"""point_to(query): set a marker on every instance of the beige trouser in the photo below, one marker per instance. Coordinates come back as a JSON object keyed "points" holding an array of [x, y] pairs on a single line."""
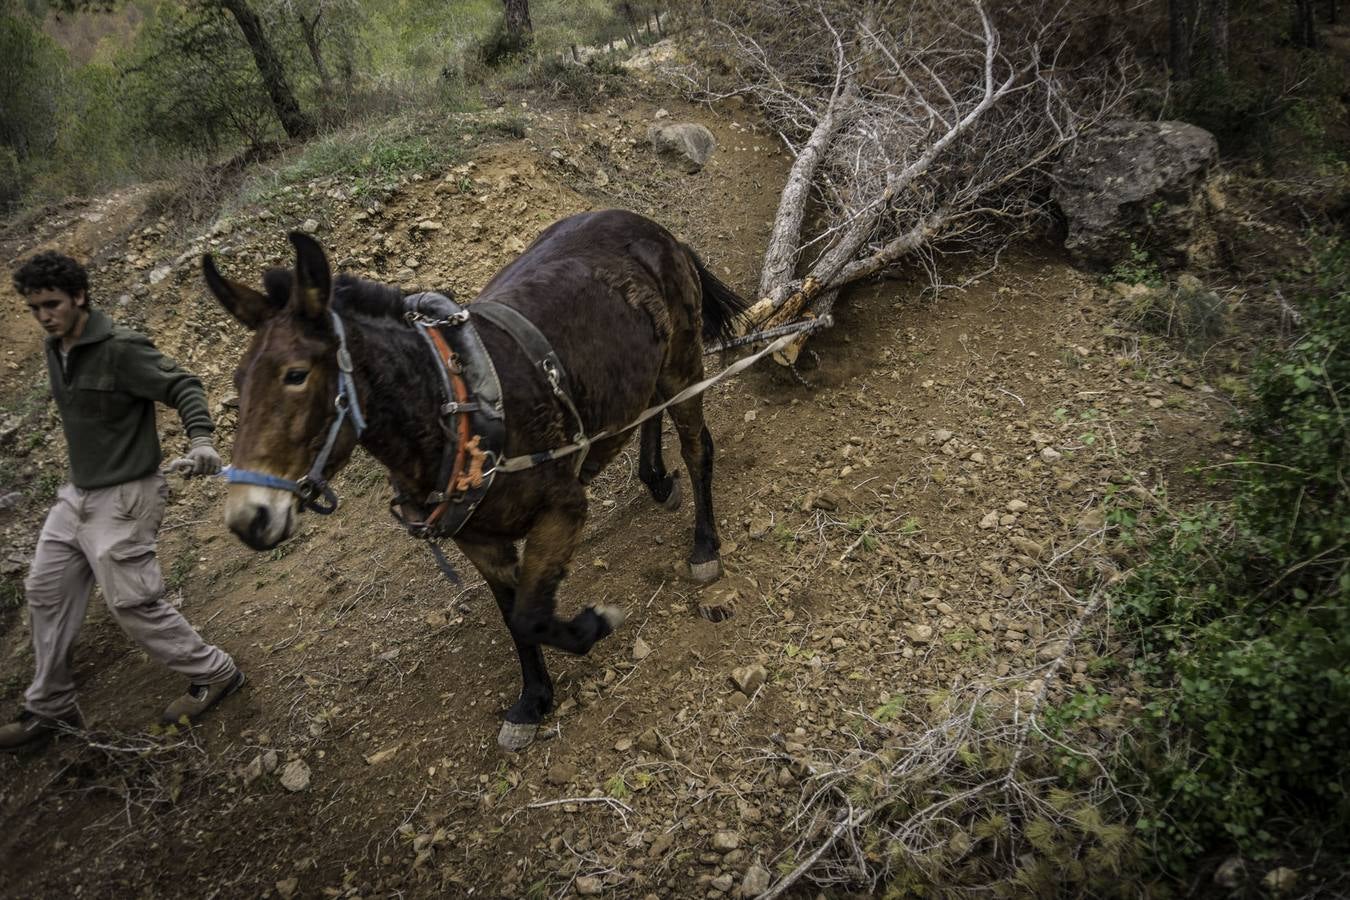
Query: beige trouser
{"points": [[108, 535]]}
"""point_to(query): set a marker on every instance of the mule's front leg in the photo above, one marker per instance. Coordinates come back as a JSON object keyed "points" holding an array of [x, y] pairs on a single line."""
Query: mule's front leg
{"points": [[548, 548], [498, 564]]}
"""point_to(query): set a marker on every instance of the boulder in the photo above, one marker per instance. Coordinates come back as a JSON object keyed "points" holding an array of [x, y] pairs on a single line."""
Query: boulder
{"points": [[1135, 183], [685, 144]]}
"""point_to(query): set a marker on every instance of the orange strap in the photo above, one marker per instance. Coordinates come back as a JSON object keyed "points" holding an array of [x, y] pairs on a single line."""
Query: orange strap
{"points": [[462, 448]]}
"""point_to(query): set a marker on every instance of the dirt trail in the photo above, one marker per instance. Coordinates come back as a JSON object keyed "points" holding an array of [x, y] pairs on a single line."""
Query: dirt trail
{"points": [[883, 531]]}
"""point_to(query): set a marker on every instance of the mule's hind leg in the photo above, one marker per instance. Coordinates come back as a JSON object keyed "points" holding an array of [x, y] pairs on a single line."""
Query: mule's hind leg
{"points": [[549, 546], [696, 446], [498, 564], [663, 486]]}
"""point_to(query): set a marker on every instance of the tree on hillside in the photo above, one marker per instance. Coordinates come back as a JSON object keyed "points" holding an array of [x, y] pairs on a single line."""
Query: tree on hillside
{"points": [[518, 27], [1305, 24], [329, 30], [29, 100], [293, 119]]}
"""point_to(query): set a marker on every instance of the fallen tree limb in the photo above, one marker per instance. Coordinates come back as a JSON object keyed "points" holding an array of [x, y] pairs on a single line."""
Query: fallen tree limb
{"points": [[911, 127]]}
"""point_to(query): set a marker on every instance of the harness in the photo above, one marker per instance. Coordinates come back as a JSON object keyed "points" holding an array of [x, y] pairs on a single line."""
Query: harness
{"points": [[312, 486], [472, 417]]}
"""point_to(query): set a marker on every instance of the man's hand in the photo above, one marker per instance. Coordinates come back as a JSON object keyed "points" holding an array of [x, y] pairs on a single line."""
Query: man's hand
{"points": [[202, 459]]}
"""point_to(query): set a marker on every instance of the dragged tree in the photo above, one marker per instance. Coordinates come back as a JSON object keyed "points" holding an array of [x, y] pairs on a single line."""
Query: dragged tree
{"points": [[911, 126]]}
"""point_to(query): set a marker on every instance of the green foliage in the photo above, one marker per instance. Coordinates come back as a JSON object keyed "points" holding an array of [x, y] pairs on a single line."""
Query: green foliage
{"points": [[192, 85], [582, 85], [367, 156], [11, 593], [29, 96], [1184, 310], [1139, 268], [1242, 617], [1267, 106]]}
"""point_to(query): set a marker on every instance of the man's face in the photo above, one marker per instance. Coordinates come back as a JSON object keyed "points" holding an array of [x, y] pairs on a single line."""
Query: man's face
{"points": [[56, 311]]}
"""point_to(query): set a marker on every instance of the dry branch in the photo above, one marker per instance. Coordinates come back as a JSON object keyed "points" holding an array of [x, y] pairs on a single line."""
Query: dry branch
{"points": [[911, 126]]}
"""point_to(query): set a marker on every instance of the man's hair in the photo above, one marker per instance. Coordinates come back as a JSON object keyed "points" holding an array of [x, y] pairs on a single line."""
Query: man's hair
{"points": [[50, 270]]}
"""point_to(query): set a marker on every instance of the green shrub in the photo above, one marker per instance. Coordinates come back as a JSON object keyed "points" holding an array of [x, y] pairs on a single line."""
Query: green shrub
{"points": [[1139, 268], [582, 84], [1242, 617], [369, 155], [192, 85], [1184, 311]]}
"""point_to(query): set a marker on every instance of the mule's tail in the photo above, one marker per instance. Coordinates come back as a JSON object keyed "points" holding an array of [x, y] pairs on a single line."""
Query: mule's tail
{"points": [[721, 305]]}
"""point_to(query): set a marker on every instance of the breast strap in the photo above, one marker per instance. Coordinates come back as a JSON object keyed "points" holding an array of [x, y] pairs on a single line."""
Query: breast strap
{"points": [[472, 416]]}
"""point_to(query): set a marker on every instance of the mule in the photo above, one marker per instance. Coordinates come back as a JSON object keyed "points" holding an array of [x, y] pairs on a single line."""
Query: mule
{"points": [[625, 307]]}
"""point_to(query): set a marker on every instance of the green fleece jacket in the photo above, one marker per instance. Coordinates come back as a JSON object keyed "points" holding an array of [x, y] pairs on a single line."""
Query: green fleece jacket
{"points": [[106, 393]]}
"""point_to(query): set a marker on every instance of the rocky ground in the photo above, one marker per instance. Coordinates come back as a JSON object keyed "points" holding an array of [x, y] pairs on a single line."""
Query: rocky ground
{"points": [[925, 513]]}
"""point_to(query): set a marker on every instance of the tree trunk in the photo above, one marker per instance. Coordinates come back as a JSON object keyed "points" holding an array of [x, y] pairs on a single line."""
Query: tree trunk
{"points": [[780, 258], [1218, 35], [1333, 12], [1179, 39], [518, 25], [297, 125], [310, 30], [630, 17], [1305, 24]]}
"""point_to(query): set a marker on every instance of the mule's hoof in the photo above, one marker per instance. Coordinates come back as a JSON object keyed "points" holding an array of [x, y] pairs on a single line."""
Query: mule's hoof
{"points": [[672, 503], [613, 616], [516, 736], [706, 572]]}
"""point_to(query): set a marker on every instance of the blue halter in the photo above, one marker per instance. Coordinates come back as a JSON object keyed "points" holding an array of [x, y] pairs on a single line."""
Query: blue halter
{"points": [[312, 488]]}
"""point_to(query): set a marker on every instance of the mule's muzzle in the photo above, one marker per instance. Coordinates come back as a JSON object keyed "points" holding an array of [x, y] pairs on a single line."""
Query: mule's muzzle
{"points": [[260, 517]]}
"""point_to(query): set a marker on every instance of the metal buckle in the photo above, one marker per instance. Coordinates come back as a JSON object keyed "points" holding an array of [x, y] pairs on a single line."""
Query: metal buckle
{"points": [[307, 489], [416, 318]]}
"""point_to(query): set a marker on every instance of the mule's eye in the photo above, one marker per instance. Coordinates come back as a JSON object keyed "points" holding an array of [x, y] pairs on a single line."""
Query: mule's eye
{"points": [[295, 376]]}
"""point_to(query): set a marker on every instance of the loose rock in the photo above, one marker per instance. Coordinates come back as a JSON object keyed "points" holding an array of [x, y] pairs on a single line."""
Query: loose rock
{"points": [[749, 679], [755, 882], [295, 777], [588, 885], [1281, 880], [726, 841], [687, 144]]}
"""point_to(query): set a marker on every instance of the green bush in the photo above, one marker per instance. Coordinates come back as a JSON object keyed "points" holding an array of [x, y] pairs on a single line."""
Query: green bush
{"points": [[1255, 112], [1242, 617], [192, 86], [31, 76], [581, 84]]}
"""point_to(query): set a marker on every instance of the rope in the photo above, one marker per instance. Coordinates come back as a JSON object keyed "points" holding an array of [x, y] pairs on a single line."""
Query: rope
{"points": [[520, 463]]}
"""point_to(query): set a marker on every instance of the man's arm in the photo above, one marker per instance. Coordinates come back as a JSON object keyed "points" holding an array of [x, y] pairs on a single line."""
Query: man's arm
{"points": [[144, 371]]}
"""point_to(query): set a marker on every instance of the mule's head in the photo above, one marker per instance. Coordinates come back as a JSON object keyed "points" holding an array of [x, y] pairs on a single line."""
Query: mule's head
{"points": [[287, 383]]}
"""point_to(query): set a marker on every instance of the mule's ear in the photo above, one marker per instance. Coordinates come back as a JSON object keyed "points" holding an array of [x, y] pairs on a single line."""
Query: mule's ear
{"points": [[313, 281], [250, 307]]}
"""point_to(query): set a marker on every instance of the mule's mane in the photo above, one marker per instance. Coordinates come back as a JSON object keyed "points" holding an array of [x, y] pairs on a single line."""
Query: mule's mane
{"points": [[352, 294]]}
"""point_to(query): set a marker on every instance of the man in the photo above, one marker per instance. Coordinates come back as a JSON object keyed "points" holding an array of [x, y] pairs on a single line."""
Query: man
{"points": [[106, 380]]}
